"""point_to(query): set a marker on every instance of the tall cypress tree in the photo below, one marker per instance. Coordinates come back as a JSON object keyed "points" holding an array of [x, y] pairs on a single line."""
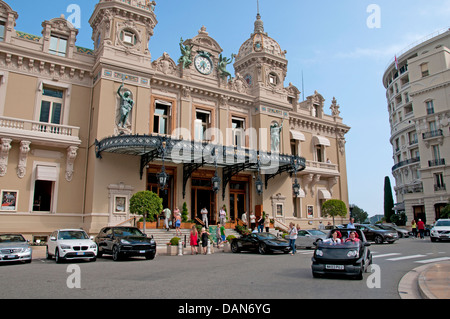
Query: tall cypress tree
{"points": [[388, 200]]}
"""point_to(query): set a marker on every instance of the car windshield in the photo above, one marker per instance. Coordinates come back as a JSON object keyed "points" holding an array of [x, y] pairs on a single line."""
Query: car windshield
{"points": [[127, 231], [373, 227], [443, 223], [266, 236], [11, 238], [72, 234], [316, 232]]}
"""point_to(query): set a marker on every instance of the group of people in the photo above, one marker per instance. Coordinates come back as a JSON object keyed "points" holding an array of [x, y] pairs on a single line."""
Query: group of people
{"points": [[195, 238], [256, 225], [169, 221], [418, 228]]}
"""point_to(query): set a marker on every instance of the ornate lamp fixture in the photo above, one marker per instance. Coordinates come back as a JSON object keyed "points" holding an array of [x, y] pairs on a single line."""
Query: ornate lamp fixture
{"points": [[215, 180], [163, 176], [296, 186], [259, 183]]}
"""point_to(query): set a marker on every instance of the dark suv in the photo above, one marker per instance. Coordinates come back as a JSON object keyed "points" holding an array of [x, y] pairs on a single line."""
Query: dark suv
{"points": [[125, 241]]}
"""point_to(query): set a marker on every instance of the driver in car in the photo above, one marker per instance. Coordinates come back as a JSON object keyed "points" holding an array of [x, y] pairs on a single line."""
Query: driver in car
{"points": [[334, 240], [352, 238]]}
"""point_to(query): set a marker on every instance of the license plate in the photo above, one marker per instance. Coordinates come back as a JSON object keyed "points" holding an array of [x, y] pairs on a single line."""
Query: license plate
{"points": [[142, 251], [10, 257], [335, 267], [80, 254]]}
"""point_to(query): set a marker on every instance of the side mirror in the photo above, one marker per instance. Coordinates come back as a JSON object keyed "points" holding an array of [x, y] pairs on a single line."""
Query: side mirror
{"points": [[53, 238], [92, 238], [367, 244]]}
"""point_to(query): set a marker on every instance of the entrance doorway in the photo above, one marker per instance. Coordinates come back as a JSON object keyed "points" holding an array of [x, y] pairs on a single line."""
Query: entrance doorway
{"points": [[239, 198], [419, 213], [202, 196]]}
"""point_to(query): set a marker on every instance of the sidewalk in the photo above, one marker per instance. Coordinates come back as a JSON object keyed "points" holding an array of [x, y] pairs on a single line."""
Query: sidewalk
{"points": [[426, 282]]}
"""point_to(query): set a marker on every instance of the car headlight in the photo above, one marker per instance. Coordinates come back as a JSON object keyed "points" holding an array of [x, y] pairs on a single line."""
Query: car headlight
{"points": [[353, 253], [319, 252], [124, 241], [93, 246], [27, 250], [65, 247], [152, 241]]}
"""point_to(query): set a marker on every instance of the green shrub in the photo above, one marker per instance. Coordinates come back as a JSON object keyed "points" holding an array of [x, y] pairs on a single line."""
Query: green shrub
{"points": [[174, 241], [230, 238]]}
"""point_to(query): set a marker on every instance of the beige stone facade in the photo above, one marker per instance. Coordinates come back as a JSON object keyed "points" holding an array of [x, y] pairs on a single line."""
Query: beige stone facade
{"points": [[419, 112], [66, 161]]}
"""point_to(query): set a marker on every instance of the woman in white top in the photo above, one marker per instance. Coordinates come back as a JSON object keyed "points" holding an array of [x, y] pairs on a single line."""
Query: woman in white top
{"points": [[252, 220], [334, 240]]}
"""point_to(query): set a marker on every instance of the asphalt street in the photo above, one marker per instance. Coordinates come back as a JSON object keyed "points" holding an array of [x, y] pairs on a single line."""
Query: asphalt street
{"points": [[245, 276]]}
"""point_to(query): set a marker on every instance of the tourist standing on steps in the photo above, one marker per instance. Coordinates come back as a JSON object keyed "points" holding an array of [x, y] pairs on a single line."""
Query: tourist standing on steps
{"points": [[167, 214], [252, 221], [222, 215], [204, 213]]}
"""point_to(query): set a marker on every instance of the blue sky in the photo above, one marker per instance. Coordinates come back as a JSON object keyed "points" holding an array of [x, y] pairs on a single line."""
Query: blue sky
{"points": [[329, 41]]}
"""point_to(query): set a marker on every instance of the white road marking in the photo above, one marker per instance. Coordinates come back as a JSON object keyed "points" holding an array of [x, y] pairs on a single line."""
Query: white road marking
{"points": [[386, 255], [405, 257], [426, 261]]}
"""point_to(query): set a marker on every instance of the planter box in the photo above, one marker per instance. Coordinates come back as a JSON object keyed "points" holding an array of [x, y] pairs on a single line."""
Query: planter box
{"points": [[172, 250], [148, 225], [186, 225], [227, 248]]}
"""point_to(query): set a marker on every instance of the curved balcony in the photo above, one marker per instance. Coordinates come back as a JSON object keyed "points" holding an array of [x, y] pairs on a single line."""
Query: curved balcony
{"points": [[406, 162]]}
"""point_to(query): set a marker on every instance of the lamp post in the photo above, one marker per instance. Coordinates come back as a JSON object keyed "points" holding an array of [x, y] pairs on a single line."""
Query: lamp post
{"points": [[296, 186], [215, 180], [259, 183], [162, 177]]}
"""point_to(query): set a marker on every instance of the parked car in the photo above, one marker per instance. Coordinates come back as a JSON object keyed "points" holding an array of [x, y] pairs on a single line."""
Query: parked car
{"points": [[376, 234], [348, 258], [71, 244], [402, 233], [307, 238], [124, 241], [14, 247], [260, 242], [440, 230]]}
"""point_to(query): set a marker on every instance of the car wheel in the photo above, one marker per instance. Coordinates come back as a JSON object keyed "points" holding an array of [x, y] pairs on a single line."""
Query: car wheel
{"points": [[262, 249], [116, 253], [234, 247], [378, 239], [150, 256], [58, 258], [47, 255]]}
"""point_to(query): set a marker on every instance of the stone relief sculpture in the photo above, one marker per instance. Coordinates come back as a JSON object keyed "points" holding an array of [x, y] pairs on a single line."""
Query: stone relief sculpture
{"points": [[275, 131], [222, 66], [185, 59], [125, 107]]}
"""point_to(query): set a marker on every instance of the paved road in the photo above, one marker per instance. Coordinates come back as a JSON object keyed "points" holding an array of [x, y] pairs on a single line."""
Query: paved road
{"points": [[219, 276]]}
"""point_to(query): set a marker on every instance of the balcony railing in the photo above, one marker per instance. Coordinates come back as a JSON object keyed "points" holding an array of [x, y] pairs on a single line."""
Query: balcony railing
{"points": [[406, 162], [431, 134], [436, 162], [39, 130], [438, 188]]}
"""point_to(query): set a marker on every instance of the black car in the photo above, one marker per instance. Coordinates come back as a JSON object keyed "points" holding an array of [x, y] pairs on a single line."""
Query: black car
{"points": [[261, 242], [376, 234], [125, 241], [402, 233], [348, 258]]}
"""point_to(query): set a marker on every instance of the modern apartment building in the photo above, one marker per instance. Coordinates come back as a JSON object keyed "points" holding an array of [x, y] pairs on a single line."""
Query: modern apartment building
{"points": [[418, 93], [82, 130]]}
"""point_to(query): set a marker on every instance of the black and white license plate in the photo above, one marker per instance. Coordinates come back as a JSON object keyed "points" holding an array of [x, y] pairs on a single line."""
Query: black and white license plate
{"points": [[11, 257], [334, 267]]}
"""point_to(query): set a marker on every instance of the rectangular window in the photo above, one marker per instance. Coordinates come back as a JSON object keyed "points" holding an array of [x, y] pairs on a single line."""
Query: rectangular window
{"points": [[439, 179], [430, 107], [319, 153], [424, 69], [436, 152], [2, 31], [202, 124], [42, 196], [161, 119], [58, 45], [51, 106], [238, 126]]}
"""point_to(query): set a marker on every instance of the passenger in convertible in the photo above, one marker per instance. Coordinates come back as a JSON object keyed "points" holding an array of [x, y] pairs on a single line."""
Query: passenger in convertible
{"points": [[334, 240]]}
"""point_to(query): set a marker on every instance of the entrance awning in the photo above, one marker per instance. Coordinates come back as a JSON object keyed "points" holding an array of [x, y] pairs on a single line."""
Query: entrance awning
{"points": [[296, 135], [193, 155]]}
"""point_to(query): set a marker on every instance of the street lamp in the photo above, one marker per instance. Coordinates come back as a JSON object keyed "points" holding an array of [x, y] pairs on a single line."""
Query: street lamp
{"points": [[215, 180], [162, 177], [259, 183], [296, 188]]}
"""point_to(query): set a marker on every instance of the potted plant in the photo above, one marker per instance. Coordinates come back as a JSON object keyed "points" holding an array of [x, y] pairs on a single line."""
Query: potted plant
{"points": [[172, 246], [227, 244], [147, 204]]}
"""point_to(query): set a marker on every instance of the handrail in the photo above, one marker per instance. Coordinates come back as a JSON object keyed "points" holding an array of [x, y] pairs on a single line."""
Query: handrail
{"points": [[282, 224], [126, 221], [198, 220]]}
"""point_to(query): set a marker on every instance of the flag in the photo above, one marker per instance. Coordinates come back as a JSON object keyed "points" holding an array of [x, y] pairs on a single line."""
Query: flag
{"points": [[396, 63]]}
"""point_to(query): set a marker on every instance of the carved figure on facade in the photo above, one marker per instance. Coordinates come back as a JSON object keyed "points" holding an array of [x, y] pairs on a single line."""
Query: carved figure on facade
{"points": [[222, 66], [125, 107], [165, 64], [186, 52], [23, 155], [275, 131], [334, 107]]}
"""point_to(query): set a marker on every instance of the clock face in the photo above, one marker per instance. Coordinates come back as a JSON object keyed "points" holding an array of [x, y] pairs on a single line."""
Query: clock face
{"points": [[203, 64]]}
